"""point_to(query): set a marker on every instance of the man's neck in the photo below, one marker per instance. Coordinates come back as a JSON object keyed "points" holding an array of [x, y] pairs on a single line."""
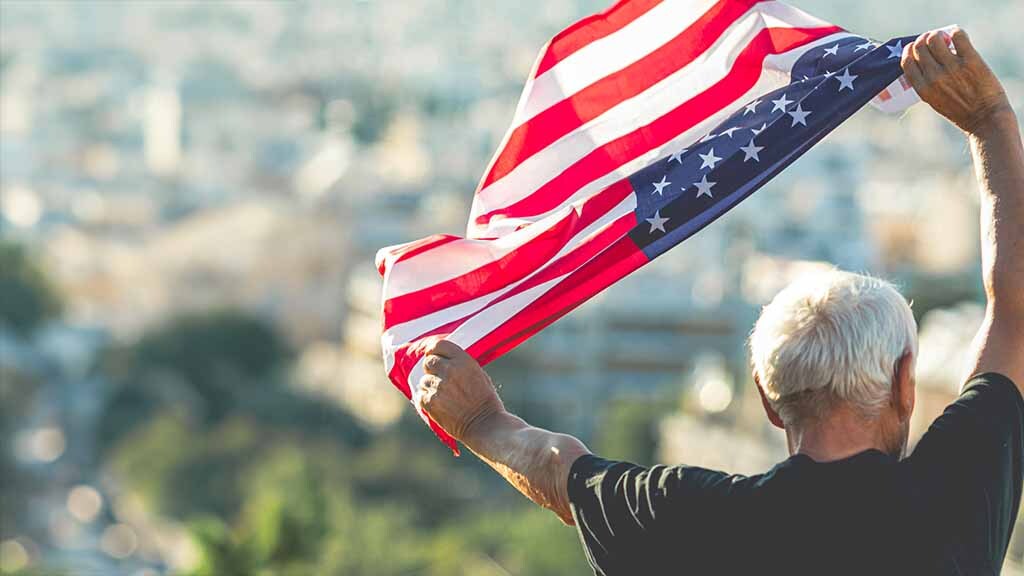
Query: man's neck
{"points": [[841, 434]]}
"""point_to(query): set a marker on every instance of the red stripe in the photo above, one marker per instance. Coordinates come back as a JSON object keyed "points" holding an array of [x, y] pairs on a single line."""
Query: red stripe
{"points": [[517, 264], [548, 126], [616, 262], [592, 28], [592, 276], [406, 251], [743, 76]]}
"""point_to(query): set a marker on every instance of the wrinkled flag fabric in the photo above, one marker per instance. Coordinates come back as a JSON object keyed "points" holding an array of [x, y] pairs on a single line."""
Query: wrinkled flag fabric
{"points": [[637, 127]]}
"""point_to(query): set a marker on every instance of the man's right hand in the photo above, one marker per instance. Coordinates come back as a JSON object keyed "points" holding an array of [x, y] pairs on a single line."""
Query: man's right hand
{"points": [[959, 86], [455, 391]]}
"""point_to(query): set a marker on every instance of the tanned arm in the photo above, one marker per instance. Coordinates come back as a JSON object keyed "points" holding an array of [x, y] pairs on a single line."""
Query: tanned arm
{"points": [[962, 88], [458, 395]]}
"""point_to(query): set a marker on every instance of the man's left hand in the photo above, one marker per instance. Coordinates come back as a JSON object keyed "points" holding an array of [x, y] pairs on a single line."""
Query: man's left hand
{"points": [[455, 391]]}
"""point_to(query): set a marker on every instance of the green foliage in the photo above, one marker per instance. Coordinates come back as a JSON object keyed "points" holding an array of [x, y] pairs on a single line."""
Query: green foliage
{"points": [[296, 520], [217, 355], [275, 483], [212, 366], [629, 429], [521, 540], [27, 298]]}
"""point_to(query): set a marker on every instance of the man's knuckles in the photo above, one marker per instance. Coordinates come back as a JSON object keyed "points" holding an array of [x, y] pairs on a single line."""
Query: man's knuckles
{"points": [[442, 347], [436, 365], [450, 351]]}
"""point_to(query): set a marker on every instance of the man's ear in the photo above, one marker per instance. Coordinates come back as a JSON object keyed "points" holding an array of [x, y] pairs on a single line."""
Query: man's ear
{"points": [[903, 393], [773, 416]]}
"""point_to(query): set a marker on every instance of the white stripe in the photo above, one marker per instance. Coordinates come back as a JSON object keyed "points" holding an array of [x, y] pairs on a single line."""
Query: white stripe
{"points": [[407, 331], [612, 53], [775, 75], [699, 75], [451, 260]]}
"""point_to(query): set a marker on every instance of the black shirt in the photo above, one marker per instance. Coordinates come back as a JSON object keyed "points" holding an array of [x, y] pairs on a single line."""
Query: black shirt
{"points": [[949, 508]]}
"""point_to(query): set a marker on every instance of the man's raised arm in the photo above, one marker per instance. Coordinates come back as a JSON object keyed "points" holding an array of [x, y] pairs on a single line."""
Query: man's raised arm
{"points": [[459, 396], [962, 88]]}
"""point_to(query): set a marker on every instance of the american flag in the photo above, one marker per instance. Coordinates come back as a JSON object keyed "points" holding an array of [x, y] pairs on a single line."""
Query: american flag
{"points": [[637, 127]]}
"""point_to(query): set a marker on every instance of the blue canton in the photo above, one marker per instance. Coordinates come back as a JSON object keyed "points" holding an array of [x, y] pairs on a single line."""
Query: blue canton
{"points": [[688, 189]]}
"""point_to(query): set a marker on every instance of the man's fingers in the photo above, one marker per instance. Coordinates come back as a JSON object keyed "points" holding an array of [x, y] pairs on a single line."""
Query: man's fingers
{"points": [[427, 388], [430, 345], [929, 67], [437, 365], [429, 383], [448, 350], [912, 70], [939, 50], [962, 43]]}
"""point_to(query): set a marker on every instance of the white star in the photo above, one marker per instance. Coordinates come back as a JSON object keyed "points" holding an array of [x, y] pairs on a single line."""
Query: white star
{"points": [[709, 160], [757, 131], [846, 80], [781, 104], [709, 136], [659, 186], [752, 107], [865, 46], [704, 187], [678, 156], [657, 223], [729, 131], [895, 51], [750, 151], [833, 50], [800, 115]]}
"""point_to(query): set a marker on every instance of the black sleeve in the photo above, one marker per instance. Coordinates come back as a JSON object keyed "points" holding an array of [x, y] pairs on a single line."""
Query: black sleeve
{"points": [[967, 470], [628, 516]]}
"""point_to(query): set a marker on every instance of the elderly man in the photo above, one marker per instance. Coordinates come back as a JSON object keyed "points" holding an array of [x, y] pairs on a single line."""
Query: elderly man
{"points": [[833, 359]]}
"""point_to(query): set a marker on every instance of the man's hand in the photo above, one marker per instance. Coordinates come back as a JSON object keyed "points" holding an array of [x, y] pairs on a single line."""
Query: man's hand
{"points": [[455, 391], [959, 86]]}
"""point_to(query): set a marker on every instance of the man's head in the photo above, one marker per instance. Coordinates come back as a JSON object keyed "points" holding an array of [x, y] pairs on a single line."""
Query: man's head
{"points": [[837, 342]]}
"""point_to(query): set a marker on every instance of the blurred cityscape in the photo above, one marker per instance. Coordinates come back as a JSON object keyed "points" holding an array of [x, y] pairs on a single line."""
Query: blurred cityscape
{"points": [[192, 195]]}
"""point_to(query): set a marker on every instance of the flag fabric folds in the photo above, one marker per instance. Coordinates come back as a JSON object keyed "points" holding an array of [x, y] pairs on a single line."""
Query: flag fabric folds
{"points": [[637, 127]]}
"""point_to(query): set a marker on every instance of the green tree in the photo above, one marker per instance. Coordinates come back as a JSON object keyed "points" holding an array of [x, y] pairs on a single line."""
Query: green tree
{"points": [[208, 362], [27, 298], [217, 354]]}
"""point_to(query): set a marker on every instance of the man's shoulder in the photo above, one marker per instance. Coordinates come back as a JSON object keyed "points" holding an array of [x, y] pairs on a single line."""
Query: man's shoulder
{"points": [[989, 403], [592, 473], [993, 383]]}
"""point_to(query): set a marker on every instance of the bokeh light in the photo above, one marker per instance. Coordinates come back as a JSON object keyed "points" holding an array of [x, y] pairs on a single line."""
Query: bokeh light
{"points": [[84, 503]]}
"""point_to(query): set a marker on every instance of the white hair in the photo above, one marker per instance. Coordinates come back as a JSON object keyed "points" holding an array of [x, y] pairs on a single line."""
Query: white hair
{"points": [[831, 337]]}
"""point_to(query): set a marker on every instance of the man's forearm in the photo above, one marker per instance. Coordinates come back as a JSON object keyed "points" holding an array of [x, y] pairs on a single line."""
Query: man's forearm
{"points": [[536, 462], [999, 162]]}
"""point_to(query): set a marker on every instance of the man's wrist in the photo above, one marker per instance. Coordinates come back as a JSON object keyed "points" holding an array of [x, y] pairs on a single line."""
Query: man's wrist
{"points": [[991, 119], [481, 427]]}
